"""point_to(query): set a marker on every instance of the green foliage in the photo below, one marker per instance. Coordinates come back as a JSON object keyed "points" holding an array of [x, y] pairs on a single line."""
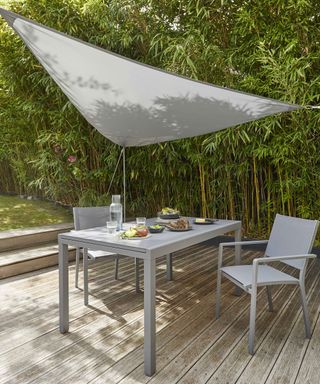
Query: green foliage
{"points": [[267, 47]]}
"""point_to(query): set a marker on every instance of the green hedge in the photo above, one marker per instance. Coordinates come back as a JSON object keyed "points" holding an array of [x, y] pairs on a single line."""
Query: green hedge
{"points": [[249, 172]]}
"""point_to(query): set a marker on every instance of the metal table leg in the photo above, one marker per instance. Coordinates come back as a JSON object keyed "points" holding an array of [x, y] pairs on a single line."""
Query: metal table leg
{"points": [[85, 277], [63, 288], [149, 316]]}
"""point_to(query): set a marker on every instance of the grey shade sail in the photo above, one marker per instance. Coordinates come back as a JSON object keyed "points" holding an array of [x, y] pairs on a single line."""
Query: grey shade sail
{"points": [[133, 104]]}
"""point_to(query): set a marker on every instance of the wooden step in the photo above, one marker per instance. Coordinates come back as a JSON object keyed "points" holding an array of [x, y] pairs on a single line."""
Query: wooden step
{"points": [[30, 237], [15, 262]]}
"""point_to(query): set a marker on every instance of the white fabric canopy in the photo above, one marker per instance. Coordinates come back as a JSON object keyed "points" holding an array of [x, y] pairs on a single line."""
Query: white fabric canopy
{"points": [[133, 104]]}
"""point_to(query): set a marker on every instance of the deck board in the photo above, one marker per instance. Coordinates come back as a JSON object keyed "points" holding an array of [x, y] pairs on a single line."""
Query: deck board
{"points": [[105, 343]]}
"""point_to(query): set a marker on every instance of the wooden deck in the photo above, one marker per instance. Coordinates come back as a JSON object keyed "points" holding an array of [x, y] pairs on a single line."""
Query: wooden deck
{"points": [[105, 340]]}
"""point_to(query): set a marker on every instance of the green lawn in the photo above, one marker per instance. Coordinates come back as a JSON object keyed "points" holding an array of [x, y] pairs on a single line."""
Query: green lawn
{"points": [[21, 213]]}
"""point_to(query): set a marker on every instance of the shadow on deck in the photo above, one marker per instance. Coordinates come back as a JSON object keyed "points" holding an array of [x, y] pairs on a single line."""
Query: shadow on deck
{"points": [[105, 343]]}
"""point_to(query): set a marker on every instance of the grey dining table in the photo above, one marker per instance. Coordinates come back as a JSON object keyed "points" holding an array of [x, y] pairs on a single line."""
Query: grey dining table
{"points": [[149, 249]]}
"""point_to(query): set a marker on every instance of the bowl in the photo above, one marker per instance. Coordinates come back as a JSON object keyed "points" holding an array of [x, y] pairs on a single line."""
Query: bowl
{"points": [[169, 216], [155, 230]]}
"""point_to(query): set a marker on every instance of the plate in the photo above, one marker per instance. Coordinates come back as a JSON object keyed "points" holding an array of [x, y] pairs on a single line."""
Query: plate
{"points": [[178, 229], [206, 222], [170, 216], [137, 237]]}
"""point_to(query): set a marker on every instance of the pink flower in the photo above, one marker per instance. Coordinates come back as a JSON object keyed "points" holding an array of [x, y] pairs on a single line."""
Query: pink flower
{"points": [[72, 159]]}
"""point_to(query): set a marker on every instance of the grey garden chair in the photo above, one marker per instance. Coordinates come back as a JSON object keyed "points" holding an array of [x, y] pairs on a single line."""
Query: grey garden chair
{"points": [[90, 217], [290, 242]]}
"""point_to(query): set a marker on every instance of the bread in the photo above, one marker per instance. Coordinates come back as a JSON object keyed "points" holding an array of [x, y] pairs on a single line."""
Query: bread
{"points": [[179, 224]]}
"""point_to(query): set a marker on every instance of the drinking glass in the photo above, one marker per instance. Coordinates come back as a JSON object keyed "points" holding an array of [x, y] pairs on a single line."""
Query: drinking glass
{"points": [[141, 220], [111, 227]]}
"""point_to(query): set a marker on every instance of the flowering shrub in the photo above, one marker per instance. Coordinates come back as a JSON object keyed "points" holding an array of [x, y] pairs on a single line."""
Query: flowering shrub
{"points": [[72, 159]]}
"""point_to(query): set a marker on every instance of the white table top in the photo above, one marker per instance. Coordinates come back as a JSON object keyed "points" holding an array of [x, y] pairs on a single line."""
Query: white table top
{"points": [[98, 238]]}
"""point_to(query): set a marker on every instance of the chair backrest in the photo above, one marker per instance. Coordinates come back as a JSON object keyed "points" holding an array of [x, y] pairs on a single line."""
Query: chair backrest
{"points": [[291, 236], [89, 217]]}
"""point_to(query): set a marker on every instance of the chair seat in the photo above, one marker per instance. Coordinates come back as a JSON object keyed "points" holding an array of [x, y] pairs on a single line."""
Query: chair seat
{"points": [[93, 255], [266, 275]]}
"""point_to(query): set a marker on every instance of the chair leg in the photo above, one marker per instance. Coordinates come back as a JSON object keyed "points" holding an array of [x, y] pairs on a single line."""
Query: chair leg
{"points": [[116, 270], [77, 267], [85, 276], [269, 295], [137, 264], [252, 323], [305, 311], [169, 267], [218, 294]]}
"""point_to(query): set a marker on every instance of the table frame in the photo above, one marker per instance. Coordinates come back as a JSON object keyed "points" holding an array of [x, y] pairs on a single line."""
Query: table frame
{"points": [[148, 255]]}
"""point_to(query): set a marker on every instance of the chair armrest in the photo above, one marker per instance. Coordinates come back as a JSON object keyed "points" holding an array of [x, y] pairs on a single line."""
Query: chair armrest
{"points": [[251, 242], [268, 259], [233, 244]]}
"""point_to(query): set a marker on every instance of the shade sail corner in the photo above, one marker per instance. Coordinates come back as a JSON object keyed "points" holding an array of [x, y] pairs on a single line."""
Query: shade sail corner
{"points": [[8, 16]]}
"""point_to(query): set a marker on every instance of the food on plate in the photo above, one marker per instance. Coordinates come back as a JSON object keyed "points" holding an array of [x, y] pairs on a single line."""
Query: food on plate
{"points": [[169, 211], [137, 231], [142, 230], [156, 226], [182, 223], [128, 234], [199, 220]]}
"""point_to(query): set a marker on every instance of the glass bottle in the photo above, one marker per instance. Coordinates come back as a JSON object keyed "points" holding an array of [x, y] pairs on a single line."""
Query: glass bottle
{"points": [[116, 211]]}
